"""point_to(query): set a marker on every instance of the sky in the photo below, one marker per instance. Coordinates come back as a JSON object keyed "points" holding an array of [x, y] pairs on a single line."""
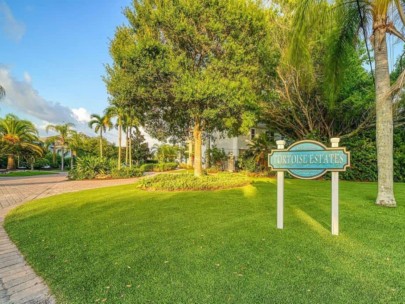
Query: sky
{"points": [[52, 59], [53, 55]]}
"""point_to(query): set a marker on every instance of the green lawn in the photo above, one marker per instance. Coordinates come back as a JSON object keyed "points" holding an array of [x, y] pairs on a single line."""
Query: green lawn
{"points": [[123, 245], [26, 173]]}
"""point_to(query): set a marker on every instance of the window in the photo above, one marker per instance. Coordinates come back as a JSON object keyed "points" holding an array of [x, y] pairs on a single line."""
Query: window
{"points": [[252, 133]]}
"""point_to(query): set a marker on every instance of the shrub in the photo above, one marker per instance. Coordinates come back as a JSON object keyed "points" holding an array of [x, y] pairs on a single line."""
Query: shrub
{"points": [[41, 162], [89, 167], [126, 172], [213, 169], [364, 157], [248, 164], [147, 167], [165, 167], [172, 182], [160, 167]]}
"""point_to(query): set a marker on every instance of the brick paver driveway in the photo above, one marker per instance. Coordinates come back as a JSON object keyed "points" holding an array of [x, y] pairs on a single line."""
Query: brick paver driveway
{"points": [[18, 282]]}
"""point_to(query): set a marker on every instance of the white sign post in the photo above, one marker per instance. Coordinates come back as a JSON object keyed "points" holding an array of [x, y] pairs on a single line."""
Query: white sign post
{"points": [[309, 159], [280, 191], [335, 194]]}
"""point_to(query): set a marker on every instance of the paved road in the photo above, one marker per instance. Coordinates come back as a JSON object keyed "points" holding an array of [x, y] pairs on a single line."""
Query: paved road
{"points": [[18, 282]]}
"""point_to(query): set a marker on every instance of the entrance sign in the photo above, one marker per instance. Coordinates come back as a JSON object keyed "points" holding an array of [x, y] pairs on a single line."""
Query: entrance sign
{"points": [[309, 159]]}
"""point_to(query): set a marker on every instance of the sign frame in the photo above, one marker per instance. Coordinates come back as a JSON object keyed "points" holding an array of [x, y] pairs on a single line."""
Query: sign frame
{"points": [[325, 148]]}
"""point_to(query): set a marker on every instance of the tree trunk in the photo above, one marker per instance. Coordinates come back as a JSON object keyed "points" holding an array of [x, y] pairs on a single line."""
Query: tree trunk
{"points": [[384, 123], [10, 162], [101, 143], [197, 150], [126, 147], [119, 143], [63, 158]]}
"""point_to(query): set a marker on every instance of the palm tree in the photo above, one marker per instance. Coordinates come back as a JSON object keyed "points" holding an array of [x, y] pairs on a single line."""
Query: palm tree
{"points": [[381, 17], [17, 135], [117, 111], [75, 142], [51, 141], [100, 124], [130, 122], [63, 130], [260, 147]]}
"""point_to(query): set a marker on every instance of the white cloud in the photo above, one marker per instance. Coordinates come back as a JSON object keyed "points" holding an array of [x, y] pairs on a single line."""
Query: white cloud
{"points": [[27, 77], [42, 126], [22, 96], [81, 115], [11, 27]]}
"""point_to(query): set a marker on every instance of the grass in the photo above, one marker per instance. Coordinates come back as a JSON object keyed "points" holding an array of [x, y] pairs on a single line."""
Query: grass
{"points": [[26, 173], [187, 181], [123, 245]]}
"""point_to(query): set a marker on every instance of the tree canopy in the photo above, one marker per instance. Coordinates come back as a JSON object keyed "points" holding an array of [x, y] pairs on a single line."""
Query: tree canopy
{"points": [[193, 65]]}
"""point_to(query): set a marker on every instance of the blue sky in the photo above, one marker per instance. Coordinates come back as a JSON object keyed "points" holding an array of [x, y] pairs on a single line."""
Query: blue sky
{"points": [[52, 57]]}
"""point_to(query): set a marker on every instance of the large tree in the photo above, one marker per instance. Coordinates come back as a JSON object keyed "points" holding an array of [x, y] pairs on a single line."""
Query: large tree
{"points": [[374, 19], [17, 135], [194, 65], [63, 132]]}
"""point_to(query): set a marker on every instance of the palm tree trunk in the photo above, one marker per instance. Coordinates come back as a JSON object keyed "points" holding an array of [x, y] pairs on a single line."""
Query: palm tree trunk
{"points": [[63, 158], [197, 151], [126, 146], [10, 162], [384, 125], [101, 143], [71, 159], [119, 142], [54, 154]]}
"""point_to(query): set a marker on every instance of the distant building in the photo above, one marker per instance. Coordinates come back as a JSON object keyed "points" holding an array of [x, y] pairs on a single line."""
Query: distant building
{"points": [[236, 145]]}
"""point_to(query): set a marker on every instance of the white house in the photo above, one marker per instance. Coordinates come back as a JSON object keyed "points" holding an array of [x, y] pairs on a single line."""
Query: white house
{"points": [[236, 145]]}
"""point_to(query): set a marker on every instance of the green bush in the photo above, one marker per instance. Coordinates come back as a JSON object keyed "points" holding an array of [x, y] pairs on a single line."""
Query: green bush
{"points": [[248, 164], [147, 167], [173, 182], [89, 167], [41, 162], [363, 152], [126, 172], [160, 167]]}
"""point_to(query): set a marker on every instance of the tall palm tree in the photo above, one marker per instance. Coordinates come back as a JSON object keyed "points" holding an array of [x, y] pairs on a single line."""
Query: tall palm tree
{"points": [[51, 141], [100, 124], [379, 17], [74, 144], [117, 111], [17, 135], [63, 130], [130, 122]]}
